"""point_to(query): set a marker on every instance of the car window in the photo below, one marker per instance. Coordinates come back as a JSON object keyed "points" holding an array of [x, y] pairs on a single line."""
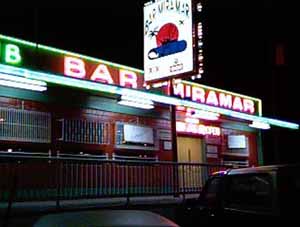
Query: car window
{"points": [[212, 188], [249, 192], [289, 190]]}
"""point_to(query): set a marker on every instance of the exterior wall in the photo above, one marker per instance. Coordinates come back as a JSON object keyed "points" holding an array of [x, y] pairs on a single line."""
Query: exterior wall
{"points": [[216, 147], [249, 154], [69, 105], [64, 103]]}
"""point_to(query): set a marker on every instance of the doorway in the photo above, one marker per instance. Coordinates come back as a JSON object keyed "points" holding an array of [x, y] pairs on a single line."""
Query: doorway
{"points": [[190, 150]]}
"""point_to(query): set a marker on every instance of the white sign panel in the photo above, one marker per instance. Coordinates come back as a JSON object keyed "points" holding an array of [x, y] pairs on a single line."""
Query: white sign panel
{"points": [[164, 134], [168, 39], [237, 141], [138, 134], [212, 149], [167, 145]]}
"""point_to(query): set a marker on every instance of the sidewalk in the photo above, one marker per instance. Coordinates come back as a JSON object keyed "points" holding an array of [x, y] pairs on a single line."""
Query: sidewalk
{"points": [[81, 204]]}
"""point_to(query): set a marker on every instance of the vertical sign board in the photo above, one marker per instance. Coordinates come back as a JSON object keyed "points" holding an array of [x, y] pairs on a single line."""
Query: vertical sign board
{"points": [[168, 39]]}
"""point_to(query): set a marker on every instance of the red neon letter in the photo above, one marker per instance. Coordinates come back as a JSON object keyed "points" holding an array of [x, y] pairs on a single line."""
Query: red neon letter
{"points": [[212, 98], [128, 79], [237, 104], [74, 67], [225, 101], [198, 94], [187, 91], [101, 74], [179, 90], [249, 106]]}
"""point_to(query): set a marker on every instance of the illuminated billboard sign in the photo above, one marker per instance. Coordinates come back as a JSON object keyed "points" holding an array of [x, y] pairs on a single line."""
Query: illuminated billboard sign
{"points": [[168, 39], [217, 97], [46, 59]]}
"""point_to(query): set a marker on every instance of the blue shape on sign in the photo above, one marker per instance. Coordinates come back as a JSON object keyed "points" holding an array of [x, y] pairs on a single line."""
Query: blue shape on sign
{"points": [[169, 48]]}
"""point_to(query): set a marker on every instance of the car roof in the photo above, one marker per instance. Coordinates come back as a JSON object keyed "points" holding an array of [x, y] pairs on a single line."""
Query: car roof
{"points": [[104, 218], [261, 169]]}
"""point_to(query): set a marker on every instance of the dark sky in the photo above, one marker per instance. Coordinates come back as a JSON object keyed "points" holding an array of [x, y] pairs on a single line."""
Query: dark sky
{"points": [[240, 39]]}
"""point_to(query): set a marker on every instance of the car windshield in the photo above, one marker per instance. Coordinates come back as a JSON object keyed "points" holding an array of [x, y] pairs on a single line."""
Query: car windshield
{"points": [[289, 189]]}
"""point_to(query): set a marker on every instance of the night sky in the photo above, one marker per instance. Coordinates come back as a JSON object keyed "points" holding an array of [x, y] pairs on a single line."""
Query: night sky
{"points": [[240, 38]]}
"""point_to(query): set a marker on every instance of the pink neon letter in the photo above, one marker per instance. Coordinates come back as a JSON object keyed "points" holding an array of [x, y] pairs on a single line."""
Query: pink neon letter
{"points": [[179, 89], [225, 100], [237, 104], [187, 91], [198, 94], [249, 106], [101, 74], [212, 98], [74, 67], [128, 79]]}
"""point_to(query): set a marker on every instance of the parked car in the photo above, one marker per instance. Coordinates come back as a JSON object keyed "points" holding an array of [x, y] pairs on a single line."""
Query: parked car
{"points": [[257, 191]]}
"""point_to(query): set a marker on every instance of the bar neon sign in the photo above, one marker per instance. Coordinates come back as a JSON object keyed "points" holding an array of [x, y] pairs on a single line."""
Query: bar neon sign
{"points": [[77, 68], [198, 129], [217, 97], [20, 53]]}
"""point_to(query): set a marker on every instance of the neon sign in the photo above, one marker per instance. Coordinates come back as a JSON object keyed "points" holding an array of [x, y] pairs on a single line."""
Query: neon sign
{"points": [[198, 129], [217, 97], [75, 67], [47, 59], [10, 54]]}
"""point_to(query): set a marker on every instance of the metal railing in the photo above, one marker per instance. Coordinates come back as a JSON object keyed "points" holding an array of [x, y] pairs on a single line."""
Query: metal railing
{"points": [[37, 178]]}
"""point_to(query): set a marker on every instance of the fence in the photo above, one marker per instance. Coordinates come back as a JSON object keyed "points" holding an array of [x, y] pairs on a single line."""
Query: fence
{"points": [[40, 177]]}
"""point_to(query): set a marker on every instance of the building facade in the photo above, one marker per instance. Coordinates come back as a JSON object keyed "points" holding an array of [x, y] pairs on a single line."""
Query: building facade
{"points": [[54, 101]]}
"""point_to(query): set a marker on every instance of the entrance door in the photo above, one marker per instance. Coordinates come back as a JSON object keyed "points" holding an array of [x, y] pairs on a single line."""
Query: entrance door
{"points": [[190, 150]]}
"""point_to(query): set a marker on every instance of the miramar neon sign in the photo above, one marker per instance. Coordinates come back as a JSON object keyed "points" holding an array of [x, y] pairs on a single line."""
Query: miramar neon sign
{"points": [[217, 97]]}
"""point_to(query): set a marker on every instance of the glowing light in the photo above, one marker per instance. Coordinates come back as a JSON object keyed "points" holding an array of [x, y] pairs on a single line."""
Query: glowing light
{"points": [[68, 53], [12, 54], [74, 67], [23, 83], [259, 125], [212, 98], [89, 85], [199, 129], [177, 81], [160, 84], [249, 106], [219, 98], [198, 94], [136, 102], [237, 104], [128, 79], [192, 120], [199, 7], [201, 114], [101, 74]]}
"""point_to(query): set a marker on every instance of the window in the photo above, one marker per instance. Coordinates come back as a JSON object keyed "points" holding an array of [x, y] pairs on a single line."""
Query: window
{"points": [[25, 125], [212, 189], [250, 192]]}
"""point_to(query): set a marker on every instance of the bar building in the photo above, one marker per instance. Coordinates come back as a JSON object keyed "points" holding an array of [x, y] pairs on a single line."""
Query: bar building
{"points": [[53, 100]]}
